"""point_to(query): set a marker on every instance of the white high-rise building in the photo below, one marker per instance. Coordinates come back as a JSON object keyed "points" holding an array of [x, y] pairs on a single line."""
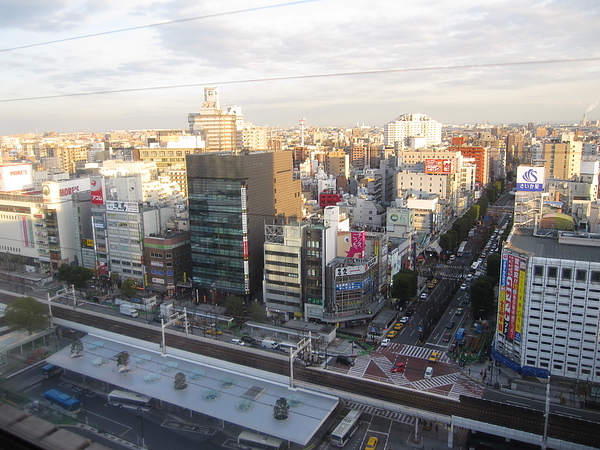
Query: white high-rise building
{"points": [[399, 131], [549, 305]]}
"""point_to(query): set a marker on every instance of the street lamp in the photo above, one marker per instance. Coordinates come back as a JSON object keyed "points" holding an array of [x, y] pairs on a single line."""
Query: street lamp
{"points": [[141, 417]]}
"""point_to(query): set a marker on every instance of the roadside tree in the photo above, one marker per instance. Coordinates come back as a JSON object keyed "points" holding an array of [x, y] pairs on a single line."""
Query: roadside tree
{"points": [[26, 313]]}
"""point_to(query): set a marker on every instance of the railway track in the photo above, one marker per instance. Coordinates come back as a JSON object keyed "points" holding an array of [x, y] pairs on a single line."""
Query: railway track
{"points": [[523, 419]]}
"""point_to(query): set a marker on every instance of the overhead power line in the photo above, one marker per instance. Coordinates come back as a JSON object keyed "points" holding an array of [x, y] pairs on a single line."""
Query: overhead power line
{"points": [[155, 25], [308, 76]]}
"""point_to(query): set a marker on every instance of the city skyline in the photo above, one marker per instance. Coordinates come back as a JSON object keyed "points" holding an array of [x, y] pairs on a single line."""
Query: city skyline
{"points": [[337, 63]]}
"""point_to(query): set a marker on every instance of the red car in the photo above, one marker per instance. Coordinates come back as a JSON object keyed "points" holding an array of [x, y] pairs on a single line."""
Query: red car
{"points": [[398, 367]]}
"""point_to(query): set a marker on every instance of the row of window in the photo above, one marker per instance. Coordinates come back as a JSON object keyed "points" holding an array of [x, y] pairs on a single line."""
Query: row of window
{"points": [[125, 263], [161, 255], [567, 273], [134, 272]]}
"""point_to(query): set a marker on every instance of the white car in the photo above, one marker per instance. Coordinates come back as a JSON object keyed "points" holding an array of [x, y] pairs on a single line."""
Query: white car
{"points": [[469, 277], [404, 319], [463, 287], [385, 342], [423, 295]]}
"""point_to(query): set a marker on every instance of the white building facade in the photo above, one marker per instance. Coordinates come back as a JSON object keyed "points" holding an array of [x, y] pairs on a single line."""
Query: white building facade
{"points": [[549, 306], [398, 132]]}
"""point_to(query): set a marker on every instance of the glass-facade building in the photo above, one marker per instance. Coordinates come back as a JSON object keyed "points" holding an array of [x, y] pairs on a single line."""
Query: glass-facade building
{"points": [[231, 197]]}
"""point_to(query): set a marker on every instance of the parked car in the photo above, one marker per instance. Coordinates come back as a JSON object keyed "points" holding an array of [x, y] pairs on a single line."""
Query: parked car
{"points": [[248, 339], [372, 443], [345, 360], [398, 367]]}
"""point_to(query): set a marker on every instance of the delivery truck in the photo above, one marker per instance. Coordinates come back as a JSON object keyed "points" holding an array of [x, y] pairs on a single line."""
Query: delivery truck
{"points": [[129, 310]]}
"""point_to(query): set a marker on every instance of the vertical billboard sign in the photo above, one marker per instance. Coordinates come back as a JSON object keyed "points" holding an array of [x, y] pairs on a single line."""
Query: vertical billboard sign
{"points": [[520, 300], [511, 300], [514, 264], [351, 244], [502, 299], [97, 184], [530, 179]]}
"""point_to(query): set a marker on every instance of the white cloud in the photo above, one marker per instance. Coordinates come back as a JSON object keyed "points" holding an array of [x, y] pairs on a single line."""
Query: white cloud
{"points": [[303, 38]]}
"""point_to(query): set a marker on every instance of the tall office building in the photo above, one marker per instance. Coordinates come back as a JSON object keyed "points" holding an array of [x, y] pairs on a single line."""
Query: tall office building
{"points": [[231, 197], [221, 130], [562, 158], [412, 126], [548, 315]]}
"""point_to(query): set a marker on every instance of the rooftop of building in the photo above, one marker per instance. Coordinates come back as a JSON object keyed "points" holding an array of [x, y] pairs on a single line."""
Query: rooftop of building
{"points": [[557, 245]]}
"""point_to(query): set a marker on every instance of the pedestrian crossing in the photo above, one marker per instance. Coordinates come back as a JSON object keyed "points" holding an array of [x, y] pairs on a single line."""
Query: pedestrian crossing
{"points": [[436, 382], [379, 412], [360, 367], [420, 352], [385, 365]]}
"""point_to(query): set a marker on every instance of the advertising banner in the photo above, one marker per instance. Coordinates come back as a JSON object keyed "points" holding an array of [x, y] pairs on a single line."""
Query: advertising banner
{"points": [[62, 190], [530, 179], [14, 177], [123, 206], [438, 166], [351, 244], [97, 184], [502, 299]]}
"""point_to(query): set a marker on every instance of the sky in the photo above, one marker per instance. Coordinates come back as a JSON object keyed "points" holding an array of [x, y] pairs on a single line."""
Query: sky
{"points": [[103, 65]]}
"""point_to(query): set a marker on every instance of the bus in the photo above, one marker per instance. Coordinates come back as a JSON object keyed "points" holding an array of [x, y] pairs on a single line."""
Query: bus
{"points": [[131, 400], [461, 249], [251, 441], [344, 431], [63, 400], [50, 370]]}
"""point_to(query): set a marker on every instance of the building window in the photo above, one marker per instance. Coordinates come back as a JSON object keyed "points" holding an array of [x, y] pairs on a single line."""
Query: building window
{"points": [[552, 272], [566, 273], [595, 276], [538, 271], [581, 275]]}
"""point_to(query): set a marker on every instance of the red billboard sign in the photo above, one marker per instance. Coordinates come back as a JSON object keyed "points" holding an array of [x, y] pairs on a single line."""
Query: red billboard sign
{"points": [[438, 166]]}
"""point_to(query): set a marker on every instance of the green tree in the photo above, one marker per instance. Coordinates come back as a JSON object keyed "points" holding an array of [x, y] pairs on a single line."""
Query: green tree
{"points": [[78, 276], [234, 305], [461, 226], [257, 311], [128, 288], [482, 297], [26, 313], [446, 242], [493, 267], [404, 286]]}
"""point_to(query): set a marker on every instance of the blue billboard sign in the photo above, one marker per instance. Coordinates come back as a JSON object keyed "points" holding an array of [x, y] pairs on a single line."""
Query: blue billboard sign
{"points": [[530, 178]]}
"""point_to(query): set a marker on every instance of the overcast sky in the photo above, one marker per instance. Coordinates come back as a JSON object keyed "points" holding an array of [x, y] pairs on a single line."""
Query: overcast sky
{"points": [[334, 62]]}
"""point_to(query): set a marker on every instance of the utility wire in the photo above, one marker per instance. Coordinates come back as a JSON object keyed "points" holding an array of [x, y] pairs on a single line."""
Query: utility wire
{"points": [[309, 76], [154, 25]]}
